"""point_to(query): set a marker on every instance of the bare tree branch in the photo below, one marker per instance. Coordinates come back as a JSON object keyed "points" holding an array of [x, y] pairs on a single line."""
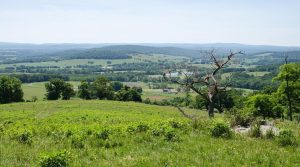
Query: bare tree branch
{"points": [[185, 114], [209, 80]]}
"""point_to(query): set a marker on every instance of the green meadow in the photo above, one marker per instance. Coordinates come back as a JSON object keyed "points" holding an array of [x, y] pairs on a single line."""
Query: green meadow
{"points": [[112, 133]]}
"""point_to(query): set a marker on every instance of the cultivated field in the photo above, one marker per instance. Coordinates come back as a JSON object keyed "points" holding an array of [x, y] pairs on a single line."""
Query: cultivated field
{"points": [[73, 62]]}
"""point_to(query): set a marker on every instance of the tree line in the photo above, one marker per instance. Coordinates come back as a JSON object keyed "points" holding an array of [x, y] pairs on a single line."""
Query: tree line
{"points": [[102, 88]]}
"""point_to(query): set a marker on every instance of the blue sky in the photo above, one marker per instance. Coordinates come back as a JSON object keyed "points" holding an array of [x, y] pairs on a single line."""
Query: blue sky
{"points": [[272, 22]]}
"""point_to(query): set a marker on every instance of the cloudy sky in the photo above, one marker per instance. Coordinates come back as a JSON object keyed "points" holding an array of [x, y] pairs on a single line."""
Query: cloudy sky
{"points": [[272, 22]]}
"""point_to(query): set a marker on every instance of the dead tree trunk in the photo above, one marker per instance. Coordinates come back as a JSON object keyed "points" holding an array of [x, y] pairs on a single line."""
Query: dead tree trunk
{"points": [[195, 83], [211, 109]]}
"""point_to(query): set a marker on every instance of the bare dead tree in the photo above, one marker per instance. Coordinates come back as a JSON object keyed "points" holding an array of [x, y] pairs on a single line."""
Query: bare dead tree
{"points": [[206, 85]]}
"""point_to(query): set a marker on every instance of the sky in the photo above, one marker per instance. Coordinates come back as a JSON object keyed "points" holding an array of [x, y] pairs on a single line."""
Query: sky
{"points": [[269, 22]]}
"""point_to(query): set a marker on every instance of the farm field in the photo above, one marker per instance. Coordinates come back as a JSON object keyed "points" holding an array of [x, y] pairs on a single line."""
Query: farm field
{"points": [[103, 62], [37, 89], [258, 73], [110, 133]]}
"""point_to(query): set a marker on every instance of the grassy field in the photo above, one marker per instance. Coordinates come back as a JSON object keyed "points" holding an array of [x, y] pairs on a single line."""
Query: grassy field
{"points": [[102, 62], [258, 73], [110, 133], [38, 90]]}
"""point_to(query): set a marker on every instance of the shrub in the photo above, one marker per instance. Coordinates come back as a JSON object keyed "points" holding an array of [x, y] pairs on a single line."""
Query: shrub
{"points": [[262, 105], [68, 133], [147, 101], [286, 138], [270, 134], [103, 135], [157, 132], [255, 130], [25, 137], [108, 144], [56, 159], [221, 129], [175, 124], [34, 99], [142, 128], [130, 129], [170, 135], [199, 123], [77, 142], [240, 117]]}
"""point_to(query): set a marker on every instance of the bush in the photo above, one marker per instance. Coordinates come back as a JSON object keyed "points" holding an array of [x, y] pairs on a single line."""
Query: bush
{"points": [[221, 129], [199, 123], [77, 142], [240, 117], [157, 132], [255, 130], [270, 134], [25, 138], [142, 128], [170, 135], [34, 99], [147, 101], [286, 138], [57, 159], [175, 124], [104, 135]]}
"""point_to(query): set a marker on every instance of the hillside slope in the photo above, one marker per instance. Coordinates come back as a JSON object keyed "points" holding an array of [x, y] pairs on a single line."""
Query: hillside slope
{"points": [[110, 133]]}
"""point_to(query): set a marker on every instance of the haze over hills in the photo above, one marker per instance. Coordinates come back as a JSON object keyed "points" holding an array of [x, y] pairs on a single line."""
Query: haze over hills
{"points": [[233, 46], [49, 51]]}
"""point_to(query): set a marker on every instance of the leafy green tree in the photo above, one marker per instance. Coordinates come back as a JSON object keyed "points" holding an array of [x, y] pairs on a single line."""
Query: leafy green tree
{"points": [[138, 89], [128, 94], [200, 102], [58, 88], [84, 90], [288, 92], [224, 100], [117, 85], [10, 90], [67, 91], [103, 89], [262, 105], [135, 95], [54, 89]]}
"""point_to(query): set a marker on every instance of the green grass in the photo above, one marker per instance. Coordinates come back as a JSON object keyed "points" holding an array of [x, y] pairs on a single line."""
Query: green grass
{"points": [[102, 62], [258, 73], [38, 90], [72, 62], [55, 124]]}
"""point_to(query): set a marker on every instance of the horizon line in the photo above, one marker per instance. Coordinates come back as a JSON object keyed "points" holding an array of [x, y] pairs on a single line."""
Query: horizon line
{"points": [[134, 43]]}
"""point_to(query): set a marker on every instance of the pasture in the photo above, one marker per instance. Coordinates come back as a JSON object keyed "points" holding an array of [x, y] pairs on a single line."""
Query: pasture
{"points": [[103, 62], [111, 133]]}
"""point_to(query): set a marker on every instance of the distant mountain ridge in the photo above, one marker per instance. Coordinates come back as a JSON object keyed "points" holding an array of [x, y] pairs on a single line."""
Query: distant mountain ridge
{"points": [[190, 46], [122, 51]]}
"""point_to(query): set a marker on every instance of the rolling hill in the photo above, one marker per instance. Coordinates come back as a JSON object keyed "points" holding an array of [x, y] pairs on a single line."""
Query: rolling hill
{"points": [[111, 133]]}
